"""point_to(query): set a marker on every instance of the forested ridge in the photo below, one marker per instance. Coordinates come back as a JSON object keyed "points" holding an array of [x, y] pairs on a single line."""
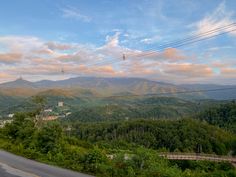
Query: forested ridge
{"points": [[223, 115], [173, 135]]}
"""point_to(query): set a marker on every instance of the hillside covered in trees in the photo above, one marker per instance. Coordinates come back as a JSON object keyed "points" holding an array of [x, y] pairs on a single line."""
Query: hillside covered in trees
{"points": [[133, 130], [223, 115], [88, 146], [174, 136]]}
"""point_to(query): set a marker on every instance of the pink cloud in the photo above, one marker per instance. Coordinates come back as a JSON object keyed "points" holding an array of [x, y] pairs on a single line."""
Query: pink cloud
{"points": [[10, 57], [4, 77], [44, 59], [228, 72], [169, 54], [189, 70], [172, 54]]}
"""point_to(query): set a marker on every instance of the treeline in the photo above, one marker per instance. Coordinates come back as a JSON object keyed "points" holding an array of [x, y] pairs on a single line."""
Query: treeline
{"points": [[115, 112], [48, 142], [183, 135], [223, 115], [114, 109]]}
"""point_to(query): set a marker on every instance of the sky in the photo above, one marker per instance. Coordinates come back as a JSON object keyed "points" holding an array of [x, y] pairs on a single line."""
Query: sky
{"points": [[60, 39]]}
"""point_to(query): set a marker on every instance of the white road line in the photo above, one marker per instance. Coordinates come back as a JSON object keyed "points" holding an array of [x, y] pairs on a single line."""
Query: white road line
{"points": [[16, 172]]}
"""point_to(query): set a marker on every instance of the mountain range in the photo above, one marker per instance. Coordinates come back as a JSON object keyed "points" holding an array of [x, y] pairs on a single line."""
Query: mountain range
{"points": [[95, 86]]}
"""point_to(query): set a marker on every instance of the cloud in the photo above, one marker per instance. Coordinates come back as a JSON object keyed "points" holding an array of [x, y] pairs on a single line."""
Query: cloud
{"points": [[169, 54], [58, 46], [219, 64], [150, 40], [9, 58], [228, 72], [171, 72], [213, 49], [73, 13], [113, 49], [113, 41], [24, 45], [189, 70], [82, 54], [141, 68], [20, 43], [172, 54], [26, 48], [220, 17], [106, 70], [4, 75], [45, 59], [55, 70]]}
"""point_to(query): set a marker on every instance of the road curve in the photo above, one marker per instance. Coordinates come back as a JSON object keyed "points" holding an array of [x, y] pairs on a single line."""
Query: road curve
{"points": [[15, 166]]}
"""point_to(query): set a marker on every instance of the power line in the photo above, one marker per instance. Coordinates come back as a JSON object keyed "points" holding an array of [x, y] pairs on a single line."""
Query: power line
{"points": [[186, 41], [204, 33], [198, 35]]}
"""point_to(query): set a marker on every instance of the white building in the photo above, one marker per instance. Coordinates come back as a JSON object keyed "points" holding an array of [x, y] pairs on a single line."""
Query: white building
{"points": [[48, 110], [68, 113], [60, 104], [11, 115], [4, 122]]}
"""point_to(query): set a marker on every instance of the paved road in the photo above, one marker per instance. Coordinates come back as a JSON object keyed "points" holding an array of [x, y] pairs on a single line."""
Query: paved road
{"points": [[16, 166]]}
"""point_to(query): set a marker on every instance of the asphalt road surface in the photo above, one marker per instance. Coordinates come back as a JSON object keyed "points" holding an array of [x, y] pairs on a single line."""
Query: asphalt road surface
{"points": [[15, 166]]}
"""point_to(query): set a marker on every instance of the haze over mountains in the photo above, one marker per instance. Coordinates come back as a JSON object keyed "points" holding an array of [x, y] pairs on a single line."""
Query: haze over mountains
{"points": [[95, 86]]}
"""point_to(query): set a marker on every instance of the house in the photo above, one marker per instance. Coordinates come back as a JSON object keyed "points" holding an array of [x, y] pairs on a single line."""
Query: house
{"points": [[48, 110], [4, 122], [68, 113], [11, 115], [60, 104]]}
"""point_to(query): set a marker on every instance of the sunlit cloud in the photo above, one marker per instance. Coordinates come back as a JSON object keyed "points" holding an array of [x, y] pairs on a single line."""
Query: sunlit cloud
{"points": [[10, 57], [189, 70], [228, 72], [46, 59]]}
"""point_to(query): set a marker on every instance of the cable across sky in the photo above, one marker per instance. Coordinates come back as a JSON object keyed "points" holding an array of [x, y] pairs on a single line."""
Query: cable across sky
{"points": [[175, 44]]}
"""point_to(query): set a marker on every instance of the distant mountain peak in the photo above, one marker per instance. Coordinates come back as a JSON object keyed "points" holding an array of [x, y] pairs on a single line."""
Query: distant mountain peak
{"points": [[20, 78], [18, 83]]}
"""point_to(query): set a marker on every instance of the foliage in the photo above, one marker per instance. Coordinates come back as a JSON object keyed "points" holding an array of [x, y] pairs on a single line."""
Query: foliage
{"points": [[223, 115], [49, 137], [175, 135], [48, 143]]}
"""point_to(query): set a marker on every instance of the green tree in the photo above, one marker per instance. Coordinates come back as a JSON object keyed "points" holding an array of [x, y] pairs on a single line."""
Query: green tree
{"points": [[21, 129], [49, 137]]}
